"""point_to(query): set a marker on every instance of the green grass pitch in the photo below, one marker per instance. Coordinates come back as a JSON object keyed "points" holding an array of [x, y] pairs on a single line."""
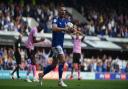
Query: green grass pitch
{"points": [[72, 84]]}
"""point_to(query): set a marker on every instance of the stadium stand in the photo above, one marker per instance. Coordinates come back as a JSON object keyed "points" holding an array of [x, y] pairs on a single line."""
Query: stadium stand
{"points": [[103, 26]]}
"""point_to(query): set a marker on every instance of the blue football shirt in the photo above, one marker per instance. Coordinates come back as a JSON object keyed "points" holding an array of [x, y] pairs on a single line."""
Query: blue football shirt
{"points": [[58, 37]]}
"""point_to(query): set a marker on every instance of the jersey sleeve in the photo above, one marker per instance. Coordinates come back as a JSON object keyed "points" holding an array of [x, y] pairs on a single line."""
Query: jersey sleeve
{"points": [[66, 22], [35, 33], [54, 21]]}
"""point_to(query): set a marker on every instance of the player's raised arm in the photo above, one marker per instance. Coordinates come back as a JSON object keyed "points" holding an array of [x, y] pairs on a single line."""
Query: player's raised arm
{"points": [[36, 41], [83, 36], [39, 28], [73, 31], [72, 34]]}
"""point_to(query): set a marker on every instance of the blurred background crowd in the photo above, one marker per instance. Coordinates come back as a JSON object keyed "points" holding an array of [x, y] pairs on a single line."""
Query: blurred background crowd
{"points": [[103, 17], [103, 63]]}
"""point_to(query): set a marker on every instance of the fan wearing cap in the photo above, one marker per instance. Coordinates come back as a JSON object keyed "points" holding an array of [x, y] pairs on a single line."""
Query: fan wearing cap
{"points": [[31, 52]]}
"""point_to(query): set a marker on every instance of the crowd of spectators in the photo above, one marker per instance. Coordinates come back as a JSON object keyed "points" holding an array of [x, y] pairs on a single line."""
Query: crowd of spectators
{"points": [[11, 16], [105, 64], [43, 58], [104, 17], [7, 59], [104, 20], [101, 19]]}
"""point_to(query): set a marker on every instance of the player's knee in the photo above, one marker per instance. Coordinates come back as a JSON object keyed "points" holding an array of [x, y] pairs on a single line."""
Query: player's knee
{"points": [[54, 65], [61, 58], [62, 61]]}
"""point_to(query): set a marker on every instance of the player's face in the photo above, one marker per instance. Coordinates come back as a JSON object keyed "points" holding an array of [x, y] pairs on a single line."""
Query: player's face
{"points": [[77, 34], [62, 11], [39, 29]]}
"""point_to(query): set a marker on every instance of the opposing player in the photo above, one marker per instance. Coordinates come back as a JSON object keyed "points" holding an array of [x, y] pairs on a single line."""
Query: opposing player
{"points": [[31, 52], [58, 30], [77, 37], [17, 55]]}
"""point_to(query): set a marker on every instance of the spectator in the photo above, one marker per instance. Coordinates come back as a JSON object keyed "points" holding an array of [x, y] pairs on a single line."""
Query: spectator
{"points": [[126, 69]]}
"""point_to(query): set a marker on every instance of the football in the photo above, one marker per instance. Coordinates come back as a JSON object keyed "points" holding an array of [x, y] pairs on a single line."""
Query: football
{"points": [[70, 25]]}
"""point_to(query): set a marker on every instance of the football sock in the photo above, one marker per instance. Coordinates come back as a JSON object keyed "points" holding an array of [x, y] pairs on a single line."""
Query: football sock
{"points": [[61, 65]]}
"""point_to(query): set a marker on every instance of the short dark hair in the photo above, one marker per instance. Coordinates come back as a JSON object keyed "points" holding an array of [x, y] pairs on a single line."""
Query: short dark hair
{"points": [[60, 5]]}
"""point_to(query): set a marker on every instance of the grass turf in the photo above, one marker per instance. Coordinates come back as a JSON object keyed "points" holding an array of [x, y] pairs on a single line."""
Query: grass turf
{"points": [[72, 84]]}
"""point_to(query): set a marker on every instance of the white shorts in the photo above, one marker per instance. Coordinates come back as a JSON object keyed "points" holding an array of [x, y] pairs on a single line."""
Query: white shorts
{"points": [[57, 50]]}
